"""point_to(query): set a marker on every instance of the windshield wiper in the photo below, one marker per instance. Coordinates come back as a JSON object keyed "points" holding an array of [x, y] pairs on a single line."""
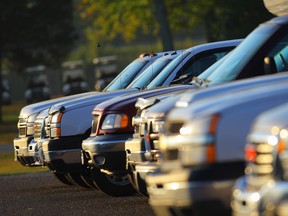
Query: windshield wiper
{"points": [[182, 79]]}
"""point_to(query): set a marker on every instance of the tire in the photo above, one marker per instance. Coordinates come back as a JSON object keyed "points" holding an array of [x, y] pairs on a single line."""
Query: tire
{"points": [[21, 161], [89, 181], [63, 178], [113, 185], [78, 179], [139, 186]]}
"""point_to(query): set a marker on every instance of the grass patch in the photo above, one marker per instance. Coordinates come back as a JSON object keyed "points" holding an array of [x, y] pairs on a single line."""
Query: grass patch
{"points": [[9, 167], [8, 127], [8, 131]]}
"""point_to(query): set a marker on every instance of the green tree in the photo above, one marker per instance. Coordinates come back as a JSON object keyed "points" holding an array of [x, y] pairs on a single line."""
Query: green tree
{"points": [[227, 19], [35, 32], [126, 19]]}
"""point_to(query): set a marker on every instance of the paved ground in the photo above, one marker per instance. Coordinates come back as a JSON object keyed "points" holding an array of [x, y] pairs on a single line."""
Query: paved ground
{"points": [[42, 194]]}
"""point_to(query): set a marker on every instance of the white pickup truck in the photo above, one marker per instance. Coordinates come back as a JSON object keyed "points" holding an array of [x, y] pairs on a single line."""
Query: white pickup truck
{"points": [[29, 113], [203, 150], [263, 189], [69, 122]]}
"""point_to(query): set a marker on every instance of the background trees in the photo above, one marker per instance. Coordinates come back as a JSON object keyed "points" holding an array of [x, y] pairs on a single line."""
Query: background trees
{"points": [[34, 32], [109, 20], [46, 31]]}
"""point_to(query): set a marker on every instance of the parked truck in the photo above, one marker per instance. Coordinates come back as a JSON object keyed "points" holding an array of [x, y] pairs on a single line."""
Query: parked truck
{"points": [[143, 150], [202, 151], [29, 113], [61, 141], [263, 190], [104, 150]]}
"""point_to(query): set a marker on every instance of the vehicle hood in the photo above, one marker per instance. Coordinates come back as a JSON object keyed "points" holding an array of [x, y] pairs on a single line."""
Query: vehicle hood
{"points": [[43, 114], [229, 102], [276, 117], [38, 107], [90, 100], [191, 96], [161, 108], [125, 102]]}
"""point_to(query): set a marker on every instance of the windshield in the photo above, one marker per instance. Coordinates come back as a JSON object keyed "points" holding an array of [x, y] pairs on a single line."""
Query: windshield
{"points": [[239, 57], [158, 81], [126, 76], [150, 73], [203, 76]]}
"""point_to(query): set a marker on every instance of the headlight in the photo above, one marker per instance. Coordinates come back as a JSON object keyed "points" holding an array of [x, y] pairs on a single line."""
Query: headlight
{"points": [[56, 118], [113, 121], [200, 126], [30, 124], [55, 126], [198, 141]]}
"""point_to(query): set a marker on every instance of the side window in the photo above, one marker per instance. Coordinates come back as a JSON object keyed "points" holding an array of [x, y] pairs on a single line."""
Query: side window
{"points": [[277, 61], [198, 64], [277, 58]]}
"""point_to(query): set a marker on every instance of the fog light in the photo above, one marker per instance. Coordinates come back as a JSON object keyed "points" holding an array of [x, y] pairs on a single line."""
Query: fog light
{"points": [[99, 160]]}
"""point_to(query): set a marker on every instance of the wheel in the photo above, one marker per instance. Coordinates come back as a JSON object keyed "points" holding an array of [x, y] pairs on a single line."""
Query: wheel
{"points": [[78, 180], [20, 160], [113, 185], [89, 181], [63, 178], [140, 185]]}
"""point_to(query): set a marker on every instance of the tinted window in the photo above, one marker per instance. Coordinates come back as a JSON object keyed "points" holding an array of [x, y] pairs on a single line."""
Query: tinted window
{"points": [[150, 73], [193, 67], [165, 73], [126, 76], [249, 51]]}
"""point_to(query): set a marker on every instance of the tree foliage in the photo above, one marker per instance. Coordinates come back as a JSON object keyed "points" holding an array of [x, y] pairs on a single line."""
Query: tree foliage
{"points": [[234, 18], [36, 31], [126, 19]]}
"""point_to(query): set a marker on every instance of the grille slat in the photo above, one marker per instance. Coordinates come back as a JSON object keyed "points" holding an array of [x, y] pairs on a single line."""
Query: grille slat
{"points": [[174, 128], [22, 127], [264, 160]]}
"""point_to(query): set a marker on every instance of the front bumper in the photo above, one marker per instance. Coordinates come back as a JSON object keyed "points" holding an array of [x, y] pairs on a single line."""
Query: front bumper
{"points": [[140, 173], [21, 150], [106, 152], [248, 193], [175, 193], [63, 155], [135, 151], [35, 150]]}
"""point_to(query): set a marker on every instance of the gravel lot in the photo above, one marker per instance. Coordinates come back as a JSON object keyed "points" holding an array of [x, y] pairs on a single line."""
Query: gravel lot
{"points": [[43, 194]]}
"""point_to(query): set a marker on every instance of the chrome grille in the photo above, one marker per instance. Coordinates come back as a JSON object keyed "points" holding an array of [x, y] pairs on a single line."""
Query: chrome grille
{"points": [[22, 120], [174, 127], [22, 132], [142, 128], [47, 125], [22, 126], [263, 164], [171, 154]]}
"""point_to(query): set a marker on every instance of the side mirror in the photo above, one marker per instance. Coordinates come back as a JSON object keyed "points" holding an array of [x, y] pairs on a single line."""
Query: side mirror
{"points": [[269, 65]]}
